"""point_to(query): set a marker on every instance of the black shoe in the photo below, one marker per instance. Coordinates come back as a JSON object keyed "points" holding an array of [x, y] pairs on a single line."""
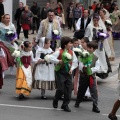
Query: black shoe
{"points": [[43, 97], [110, 116], [76, 105], [96, 109], [21, 97], [65, 108], [55, 103]]}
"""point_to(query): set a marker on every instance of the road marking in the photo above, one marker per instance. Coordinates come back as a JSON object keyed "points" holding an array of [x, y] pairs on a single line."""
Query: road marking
{"points": [[107, 115], [31, 107]]}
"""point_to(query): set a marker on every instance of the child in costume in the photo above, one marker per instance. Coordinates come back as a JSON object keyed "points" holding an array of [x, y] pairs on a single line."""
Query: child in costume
{"points": [[24, 72], [44, 77], [66, 62], [89, 80]]}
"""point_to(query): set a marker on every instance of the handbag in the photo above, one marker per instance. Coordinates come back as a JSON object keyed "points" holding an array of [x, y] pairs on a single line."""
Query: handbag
{"points": [[119, 72], [79, 34]]}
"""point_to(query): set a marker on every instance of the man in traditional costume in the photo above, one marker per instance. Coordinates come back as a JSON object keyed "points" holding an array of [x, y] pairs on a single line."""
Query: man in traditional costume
{"points": [[47, 27]]}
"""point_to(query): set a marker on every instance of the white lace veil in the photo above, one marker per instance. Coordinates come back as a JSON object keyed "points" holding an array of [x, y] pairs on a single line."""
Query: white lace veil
{"points": [[101, 23]]}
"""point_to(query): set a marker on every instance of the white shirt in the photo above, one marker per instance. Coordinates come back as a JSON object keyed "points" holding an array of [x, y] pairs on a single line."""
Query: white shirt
{"points": [[56, 54], [94, 69], [49, 33], [78, 24]]}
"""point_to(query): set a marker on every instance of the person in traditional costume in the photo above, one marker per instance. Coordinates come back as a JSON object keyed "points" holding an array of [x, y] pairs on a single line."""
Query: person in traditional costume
{"points": [[44, 77], [8, 32], [89, 80], [103, 52], [24, 72], [108, 24], [7, 38], [47, 26], [66, 62], [114, 16]]}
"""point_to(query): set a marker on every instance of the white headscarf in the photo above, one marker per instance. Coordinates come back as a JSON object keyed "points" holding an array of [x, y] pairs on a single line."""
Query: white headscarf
{"points": [[42, 42]]}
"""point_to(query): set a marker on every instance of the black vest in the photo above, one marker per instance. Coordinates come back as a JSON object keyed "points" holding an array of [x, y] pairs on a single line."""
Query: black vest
{"points": [[82, 23]]}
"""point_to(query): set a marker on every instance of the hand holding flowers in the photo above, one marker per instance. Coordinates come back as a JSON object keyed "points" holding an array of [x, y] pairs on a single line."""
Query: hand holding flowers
{"points": [[86, 58]]}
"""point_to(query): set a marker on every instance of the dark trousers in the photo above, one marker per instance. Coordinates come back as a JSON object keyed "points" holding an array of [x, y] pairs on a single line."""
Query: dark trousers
{"points": [[71, 23], [64, 86], [84, 83], [25, 33], [75, 21], [18, 29], [36, 23]]}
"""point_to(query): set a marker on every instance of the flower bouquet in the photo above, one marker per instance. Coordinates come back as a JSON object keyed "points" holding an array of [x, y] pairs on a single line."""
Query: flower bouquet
{"points": [[77, 51], [55, 36], [16, 54], [84, 57], [11, 35], [47, 59], [102, 36], [66, 58]]}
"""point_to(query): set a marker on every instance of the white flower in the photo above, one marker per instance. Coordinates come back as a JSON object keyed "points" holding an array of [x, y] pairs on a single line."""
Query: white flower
{"points": [[109, 22], [69, 57], [103, 34], [77, 50], [10, 32], [47, 58], [56, 32], [16, 53], [85, 53]]}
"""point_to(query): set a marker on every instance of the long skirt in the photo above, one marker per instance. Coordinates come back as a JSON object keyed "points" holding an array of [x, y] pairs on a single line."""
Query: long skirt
{"points": [[21, 83]]}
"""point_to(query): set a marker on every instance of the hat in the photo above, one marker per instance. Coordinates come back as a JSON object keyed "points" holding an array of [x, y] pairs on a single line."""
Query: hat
{"points": [[96, 16]]}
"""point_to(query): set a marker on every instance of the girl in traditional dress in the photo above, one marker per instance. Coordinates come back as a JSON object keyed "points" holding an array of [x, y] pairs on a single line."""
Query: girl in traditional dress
{"points": [[108, 24], [24, 73], [44, 77]]}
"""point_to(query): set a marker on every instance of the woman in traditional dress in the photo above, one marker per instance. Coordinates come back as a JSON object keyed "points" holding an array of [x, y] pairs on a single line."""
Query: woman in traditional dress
{"points": [[108, 24], [24, 73], [115, 18], [6, 60], [103, 51], [44, 77]]}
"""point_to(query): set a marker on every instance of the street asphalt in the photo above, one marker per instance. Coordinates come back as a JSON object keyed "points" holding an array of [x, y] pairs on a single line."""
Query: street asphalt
{"points": [[34, 108]]}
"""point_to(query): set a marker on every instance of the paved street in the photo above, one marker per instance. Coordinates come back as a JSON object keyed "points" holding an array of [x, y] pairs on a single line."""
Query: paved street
{"points": [[34, 108]]}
